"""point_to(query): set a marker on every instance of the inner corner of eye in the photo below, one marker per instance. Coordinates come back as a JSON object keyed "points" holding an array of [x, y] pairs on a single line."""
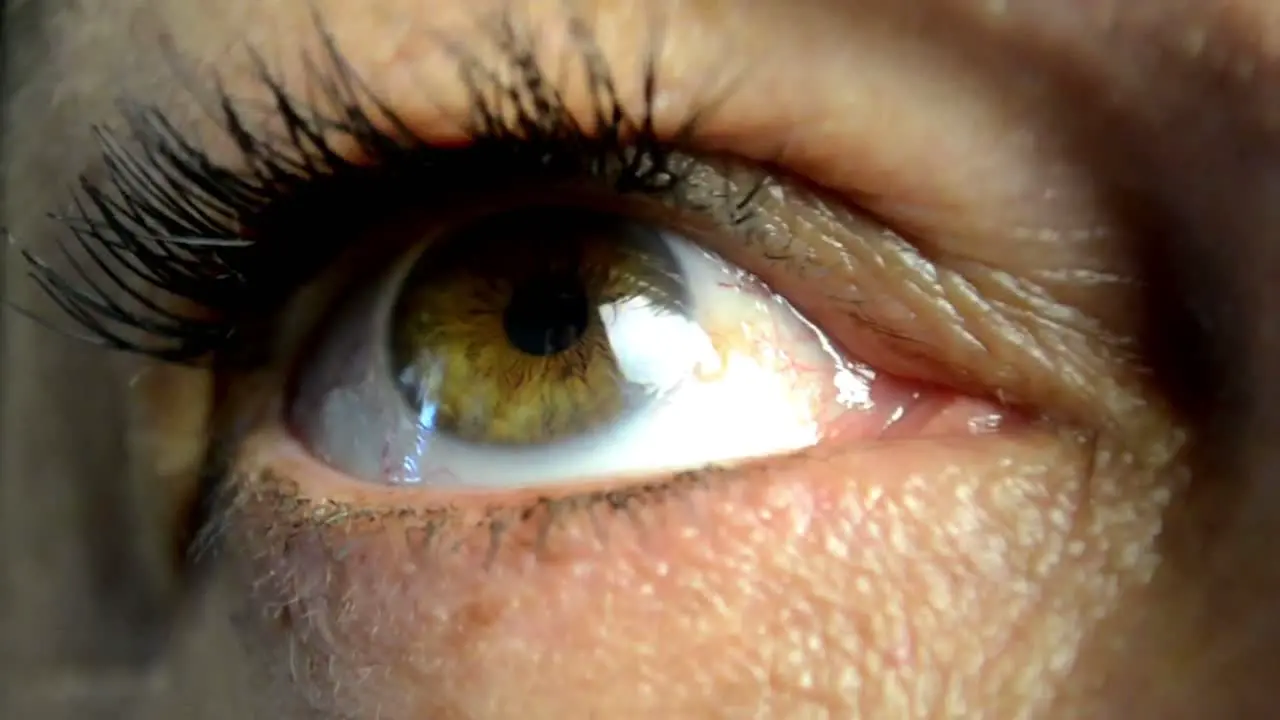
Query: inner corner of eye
{"points": [[546, 345]]}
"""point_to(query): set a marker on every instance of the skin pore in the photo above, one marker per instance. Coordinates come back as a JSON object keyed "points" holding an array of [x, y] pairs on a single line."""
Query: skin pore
{"points": [[1047, 569]]}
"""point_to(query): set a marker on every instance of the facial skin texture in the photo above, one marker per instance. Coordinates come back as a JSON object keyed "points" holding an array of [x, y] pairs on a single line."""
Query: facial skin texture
{"points": [[1038, 572]]}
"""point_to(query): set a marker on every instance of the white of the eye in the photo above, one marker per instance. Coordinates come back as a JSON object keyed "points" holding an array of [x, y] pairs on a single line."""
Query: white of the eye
{"points": [[654, 348], [750, 406]]}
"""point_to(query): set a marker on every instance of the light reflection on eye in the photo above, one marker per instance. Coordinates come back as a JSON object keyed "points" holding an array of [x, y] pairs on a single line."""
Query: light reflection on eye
{"points": [[546, 345]]}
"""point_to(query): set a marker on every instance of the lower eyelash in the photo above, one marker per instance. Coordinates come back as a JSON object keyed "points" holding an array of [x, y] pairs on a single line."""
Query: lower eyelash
{"points": [[534, 521], [174, 254]]}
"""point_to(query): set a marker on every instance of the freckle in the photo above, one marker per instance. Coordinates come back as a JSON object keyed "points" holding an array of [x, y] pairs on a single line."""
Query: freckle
{"points": [[478, 615]]}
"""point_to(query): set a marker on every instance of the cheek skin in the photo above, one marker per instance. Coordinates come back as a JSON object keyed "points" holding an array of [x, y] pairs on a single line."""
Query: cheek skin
{"points": [[894, 579]]}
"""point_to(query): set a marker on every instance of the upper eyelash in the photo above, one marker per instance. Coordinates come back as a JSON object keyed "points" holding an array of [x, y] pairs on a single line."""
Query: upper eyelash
{"points": [[169, 218]]}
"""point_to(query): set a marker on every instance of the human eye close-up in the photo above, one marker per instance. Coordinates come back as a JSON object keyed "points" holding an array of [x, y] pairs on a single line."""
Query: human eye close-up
{"points": [[621, 359]]}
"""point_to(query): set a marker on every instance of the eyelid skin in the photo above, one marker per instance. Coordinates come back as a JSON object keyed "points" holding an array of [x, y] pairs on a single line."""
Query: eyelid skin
{"points": [[457, 605]]}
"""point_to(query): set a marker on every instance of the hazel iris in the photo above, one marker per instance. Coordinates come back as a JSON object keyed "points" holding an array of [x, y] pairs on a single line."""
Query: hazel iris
{"points": [[501, 332]]}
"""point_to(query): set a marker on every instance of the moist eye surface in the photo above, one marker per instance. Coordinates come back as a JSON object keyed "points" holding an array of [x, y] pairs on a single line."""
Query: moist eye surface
{"points": [[551, 344]]}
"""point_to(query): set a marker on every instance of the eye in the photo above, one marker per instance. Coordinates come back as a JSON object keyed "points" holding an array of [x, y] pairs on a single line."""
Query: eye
{"points": [[558, 296], [551, 343]]}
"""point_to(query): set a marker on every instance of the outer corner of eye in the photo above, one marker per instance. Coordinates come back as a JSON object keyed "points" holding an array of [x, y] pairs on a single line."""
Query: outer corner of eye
{"points": [[546, 346]]}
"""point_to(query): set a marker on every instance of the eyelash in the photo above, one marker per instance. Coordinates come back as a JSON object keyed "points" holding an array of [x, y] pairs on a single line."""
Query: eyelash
{"points": [[222, 243]]}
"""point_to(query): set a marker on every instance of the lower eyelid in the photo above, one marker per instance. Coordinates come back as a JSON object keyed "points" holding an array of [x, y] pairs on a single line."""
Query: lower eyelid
{"points": [[401, 589], [277, 483]]}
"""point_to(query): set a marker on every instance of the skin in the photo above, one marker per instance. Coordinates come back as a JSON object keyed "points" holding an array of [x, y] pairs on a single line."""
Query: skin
{"points": [[1102, 564]]}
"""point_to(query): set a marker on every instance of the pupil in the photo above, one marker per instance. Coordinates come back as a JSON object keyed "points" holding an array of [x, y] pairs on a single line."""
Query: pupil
{"points": [[547, 314]]}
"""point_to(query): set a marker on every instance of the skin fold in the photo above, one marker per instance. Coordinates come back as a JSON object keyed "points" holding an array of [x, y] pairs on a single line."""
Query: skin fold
{"points": [[1047, 161]]}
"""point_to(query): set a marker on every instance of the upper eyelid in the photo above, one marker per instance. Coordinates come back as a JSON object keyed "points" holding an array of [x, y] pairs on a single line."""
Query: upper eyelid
{"points": [[43, 240], [680, 114], [521, 115]]}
